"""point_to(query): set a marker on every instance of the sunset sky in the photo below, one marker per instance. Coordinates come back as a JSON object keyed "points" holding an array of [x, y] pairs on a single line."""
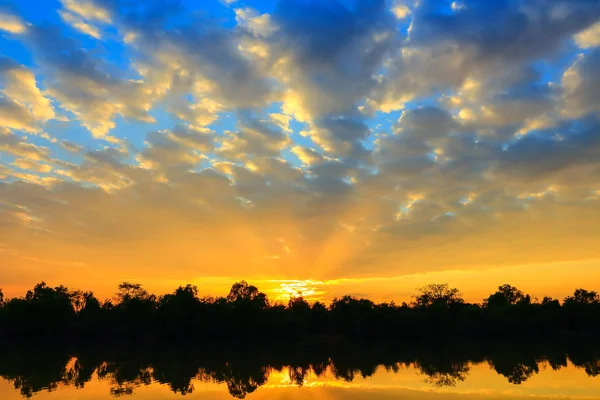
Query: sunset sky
{"points": [[359, 147]]}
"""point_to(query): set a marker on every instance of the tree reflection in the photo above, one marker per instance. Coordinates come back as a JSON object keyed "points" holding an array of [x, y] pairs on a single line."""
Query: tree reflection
{"points": [[35, 370], [244, 369], [298, 373], [124, 377], [582, 359], [516, 371], [445, 375], [241, 378]]}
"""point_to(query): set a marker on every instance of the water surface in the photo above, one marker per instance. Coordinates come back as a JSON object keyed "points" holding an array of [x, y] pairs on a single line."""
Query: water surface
{"points": [[291, 371]]}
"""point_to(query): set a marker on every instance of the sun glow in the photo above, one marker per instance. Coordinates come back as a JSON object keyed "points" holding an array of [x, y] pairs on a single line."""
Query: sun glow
{"points": [[310, 290]]}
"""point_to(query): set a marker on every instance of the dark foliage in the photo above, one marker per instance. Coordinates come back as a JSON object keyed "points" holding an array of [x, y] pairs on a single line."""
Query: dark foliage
{"points": [[244, 368], [246, 314]]}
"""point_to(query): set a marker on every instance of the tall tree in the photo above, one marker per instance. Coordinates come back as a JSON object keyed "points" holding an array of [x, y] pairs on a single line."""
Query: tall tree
{"points": [[242, 292], [583, 297], [438, 295], [128, 291], [507, 295]]}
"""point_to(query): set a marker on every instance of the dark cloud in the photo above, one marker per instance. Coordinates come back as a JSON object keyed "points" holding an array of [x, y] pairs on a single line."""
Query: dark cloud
{"points": [[535, 156], [253, 138], [336, 50], [503, 31], [581, 86], [478, 41]]}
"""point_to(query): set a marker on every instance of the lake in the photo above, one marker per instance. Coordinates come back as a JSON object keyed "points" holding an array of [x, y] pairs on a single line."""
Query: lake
{"points": [[441, 371]]}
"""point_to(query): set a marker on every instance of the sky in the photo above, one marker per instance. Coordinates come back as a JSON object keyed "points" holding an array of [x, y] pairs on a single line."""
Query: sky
{"points": [[363, 147]]}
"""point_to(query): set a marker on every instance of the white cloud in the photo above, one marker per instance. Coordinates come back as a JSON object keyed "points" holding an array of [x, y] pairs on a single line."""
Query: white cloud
{"points": [[282, 120], [258, 24], [79, 24], [401, 11], [12, 24], [32, 165], [14, 115], [20, 85], [12, 144], [88, 9], [306, 155], [589, 37]]}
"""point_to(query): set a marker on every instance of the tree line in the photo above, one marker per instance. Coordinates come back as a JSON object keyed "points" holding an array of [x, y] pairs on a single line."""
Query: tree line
{"points": [[245, 368], [246, 313]]}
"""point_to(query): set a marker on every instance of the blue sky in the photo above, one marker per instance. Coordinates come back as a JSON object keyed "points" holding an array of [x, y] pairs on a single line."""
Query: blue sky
{"points": [[344, 141]]}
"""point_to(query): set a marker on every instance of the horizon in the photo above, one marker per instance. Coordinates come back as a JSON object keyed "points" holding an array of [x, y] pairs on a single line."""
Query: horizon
{"points": [[309, 290], [361, 147]]}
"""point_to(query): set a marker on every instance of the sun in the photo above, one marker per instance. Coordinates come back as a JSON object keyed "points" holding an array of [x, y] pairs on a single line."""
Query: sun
{"points": [[289, 289]]}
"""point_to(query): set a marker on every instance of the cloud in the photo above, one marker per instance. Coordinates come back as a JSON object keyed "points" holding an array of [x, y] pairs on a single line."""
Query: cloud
{"points": [[446, 46], [171, 150], [30, 165], [207, 60], [561, 153], [282, 120], [80, 25], [401, 11], [82, 85], [340, 136], [20, 84], [13, 115], [88, 9], [589, 37], [253, 139], [12, 144], [306, 155], [328, 53], [426, 123], [259, 25], [516, 33], [11, 23], [580, 84]]}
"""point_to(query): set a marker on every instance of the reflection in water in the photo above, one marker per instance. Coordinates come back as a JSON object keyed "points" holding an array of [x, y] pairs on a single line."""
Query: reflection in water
{"points": [[244, 370], [447, 376]]}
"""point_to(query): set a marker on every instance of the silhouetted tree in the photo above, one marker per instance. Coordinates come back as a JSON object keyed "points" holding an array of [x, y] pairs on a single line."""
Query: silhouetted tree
{"points": [[250, 311], [90, 303], [352, 316], [512, 312], [438, 295], [550, 302], [507, 295], [582, 311], [180, 311], [298, 305], [135, 310], [437, 311], [582, 297], [129, 291], [299, 316], [241, 292]]}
